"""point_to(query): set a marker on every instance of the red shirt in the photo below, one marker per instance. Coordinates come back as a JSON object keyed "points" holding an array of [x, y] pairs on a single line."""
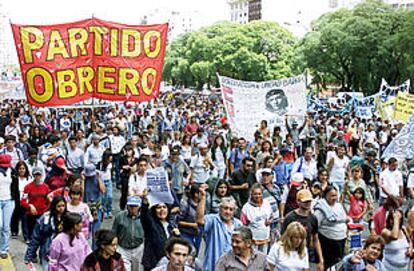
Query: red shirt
{"points": [[37, 196], [191, 128]]}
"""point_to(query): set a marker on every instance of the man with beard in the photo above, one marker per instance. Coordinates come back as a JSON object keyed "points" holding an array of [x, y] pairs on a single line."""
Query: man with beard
{"points": [[276, 101], [242, 180], [217, 228]]}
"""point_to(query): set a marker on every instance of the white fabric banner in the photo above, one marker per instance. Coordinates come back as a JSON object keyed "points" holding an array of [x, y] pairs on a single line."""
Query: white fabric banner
{"points": [[402, 146], [248, 103]]}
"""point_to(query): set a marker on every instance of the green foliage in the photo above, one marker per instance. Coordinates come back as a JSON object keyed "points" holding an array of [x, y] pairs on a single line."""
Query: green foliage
{"points": [[356, 48], [256, 51]]}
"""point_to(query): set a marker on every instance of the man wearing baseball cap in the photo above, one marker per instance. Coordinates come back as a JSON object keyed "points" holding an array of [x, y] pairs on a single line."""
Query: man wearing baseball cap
{"points": [[127, 227], [304, 216]]}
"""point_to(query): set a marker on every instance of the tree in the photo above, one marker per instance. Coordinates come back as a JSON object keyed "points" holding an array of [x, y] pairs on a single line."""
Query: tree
{"points": [[256, 51], [356, 48]]}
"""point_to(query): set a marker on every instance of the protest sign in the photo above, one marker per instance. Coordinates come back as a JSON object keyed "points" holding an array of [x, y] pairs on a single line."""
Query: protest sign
{"points": [[68, 63], [159, 189], [247, 103], [388, 92], [365, 107], [404, 107], [402, 146]]}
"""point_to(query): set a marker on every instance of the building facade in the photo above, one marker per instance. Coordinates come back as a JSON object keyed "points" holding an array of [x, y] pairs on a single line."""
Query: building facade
{"points": [[239, 11]]}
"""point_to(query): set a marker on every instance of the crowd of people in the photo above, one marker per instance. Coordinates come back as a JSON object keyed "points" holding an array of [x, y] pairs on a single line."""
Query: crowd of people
{"points": [[296, 197]]}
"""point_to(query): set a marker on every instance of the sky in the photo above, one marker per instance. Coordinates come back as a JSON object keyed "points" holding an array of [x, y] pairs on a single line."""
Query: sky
{"points": [[206, 12], [124, 11], [131, 11]]}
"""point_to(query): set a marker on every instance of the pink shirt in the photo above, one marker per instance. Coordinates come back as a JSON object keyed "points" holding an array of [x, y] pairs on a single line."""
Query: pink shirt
{"points": [[63, 256]]}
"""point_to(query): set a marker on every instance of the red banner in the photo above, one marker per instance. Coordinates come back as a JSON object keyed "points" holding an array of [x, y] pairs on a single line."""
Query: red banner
{"points": [[65, 64]]}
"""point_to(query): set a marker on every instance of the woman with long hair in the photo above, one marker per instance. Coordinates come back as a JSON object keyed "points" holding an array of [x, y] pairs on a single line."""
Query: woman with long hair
{"points": [[105, 256], [221, 190], [218, 155], [398, 246], [127, 165], [265, 150], [69, 248], [290, 252], [158, 227], [36, 138], [47, 227], [332, 225], [22, 177], [186, 149]]}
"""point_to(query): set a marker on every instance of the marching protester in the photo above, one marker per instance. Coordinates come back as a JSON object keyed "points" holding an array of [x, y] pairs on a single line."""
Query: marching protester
{"points": [[268, 176], [178, 251], [217, 228], [368, 258], [128, 230], [47, 227], [35, 200], [242, 256], [158, 226], [290, 252], [69, 248], [9, 194], [105, 256], [332, 227]]}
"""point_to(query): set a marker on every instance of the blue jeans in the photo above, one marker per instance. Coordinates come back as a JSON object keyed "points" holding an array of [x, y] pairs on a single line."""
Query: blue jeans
{"points": [[107, 198], [6, 211]]}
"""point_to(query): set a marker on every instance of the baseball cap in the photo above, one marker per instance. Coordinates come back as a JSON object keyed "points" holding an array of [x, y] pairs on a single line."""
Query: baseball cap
{"points": [[37, 170], [266, 171], [304, 195], [297, 179], [90, 170], [60, 163], [134, 201]]}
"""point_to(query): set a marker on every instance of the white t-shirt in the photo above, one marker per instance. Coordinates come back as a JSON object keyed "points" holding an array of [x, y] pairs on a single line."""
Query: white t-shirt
{"points": [[391, 180], [291, 262], [256, 217], [106, 174], [339, 168], [136, 184]]}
